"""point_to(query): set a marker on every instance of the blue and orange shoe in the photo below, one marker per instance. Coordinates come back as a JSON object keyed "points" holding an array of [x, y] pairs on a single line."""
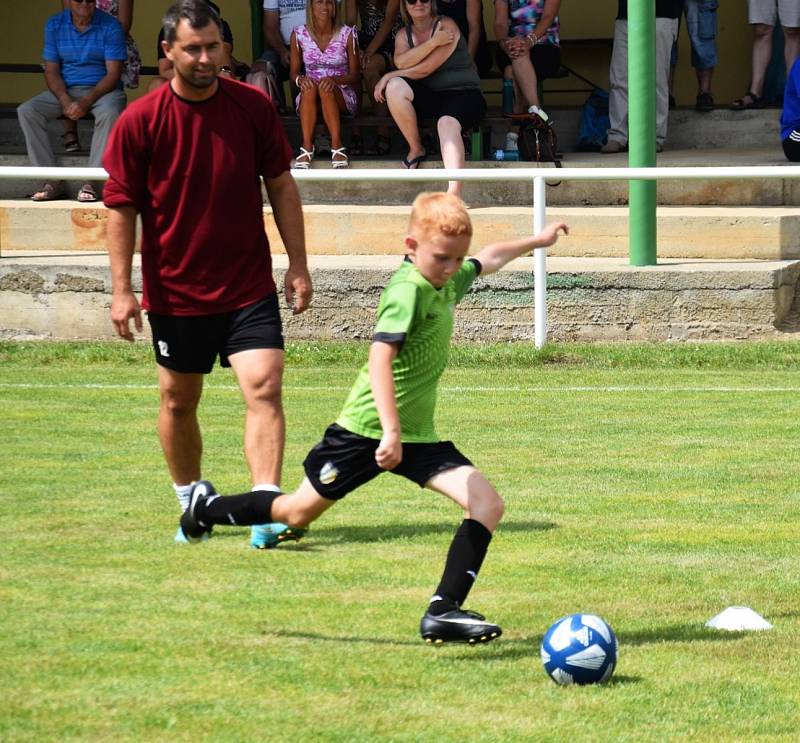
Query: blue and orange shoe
{"points": [[269, 536]]}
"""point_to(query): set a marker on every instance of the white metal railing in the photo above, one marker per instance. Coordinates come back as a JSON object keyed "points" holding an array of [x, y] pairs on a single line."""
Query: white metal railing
{"points": [[539, 177]]}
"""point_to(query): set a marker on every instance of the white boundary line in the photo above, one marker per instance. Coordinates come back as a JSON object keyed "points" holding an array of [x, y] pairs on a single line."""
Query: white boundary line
{"points": [[446, 389]]}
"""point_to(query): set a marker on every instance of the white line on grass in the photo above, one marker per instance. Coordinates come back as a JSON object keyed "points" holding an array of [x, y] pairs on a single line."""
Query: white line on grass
{"points": [[447, 389]]}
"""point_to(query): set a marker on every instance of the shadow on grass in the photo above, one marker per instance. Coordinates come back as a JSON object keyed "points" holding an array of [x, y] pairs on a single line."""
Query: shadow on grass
{"points": [[677, 633], [388, 533]]}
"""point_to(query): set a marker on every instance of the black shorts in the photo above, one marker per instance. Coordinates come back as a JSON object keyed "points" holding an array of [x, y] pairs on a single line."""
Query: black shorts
{"points": [[192, 344], [791, 146], [343, 461], [546, 59], [468, 106]]}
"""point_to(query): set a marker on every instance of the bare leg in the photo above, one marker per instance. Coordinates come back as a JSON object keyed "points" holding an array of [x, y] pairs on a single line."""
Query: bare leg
{"points": [[791, 46], [473, 492], [332, 104], [300, 508], [704, 80], [400, 98], [260, 375], [308, 116], [527, 83], [452, 148], [762, 52], [178, 428]]}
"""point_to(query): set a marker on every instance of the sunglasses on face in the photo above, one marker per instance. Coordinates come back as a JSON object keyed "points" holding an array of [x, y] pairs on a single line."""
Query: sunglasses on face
{"points": [[88, 2], [417, 2]]}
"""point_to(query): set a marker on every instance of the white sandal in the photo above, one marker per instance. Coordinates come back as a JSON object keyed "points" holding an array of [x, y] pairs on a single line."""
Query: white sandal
{"points": [[303, 160], [339, 163]]}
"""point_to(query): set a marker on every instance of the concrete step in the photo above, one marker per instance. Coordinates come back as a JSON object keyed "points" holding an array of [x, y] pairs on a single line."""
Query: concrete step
{"points": [[764, 233], [728, 192], [61, 295]]}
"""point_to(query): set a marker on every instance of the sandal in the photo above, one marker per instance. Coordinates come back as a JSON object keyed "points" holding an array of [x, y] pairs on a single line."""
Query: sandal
{"points": [[48, 192], [87, 194], [71, 142], [341, 152], [742, 104], [414, 162], [383, 145], [303, 160]]}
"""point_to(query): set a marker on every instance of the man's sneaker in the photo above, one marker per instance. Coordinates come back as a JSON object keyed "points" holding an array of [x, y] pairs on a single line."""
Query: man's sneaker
{"points": [[458, 625], [268, 536], [194, 530]]}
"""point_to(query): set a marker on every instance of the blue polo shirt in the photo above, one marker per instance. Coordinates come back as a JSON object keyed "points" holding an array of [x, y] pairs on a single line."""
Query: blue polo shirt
{"points": [[83, 55], [790, 116]]}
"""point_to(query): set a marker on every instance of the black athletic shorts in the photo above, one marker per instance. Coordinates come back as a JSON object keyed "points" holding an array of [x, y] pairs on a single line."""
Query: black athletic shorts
{"points": [[192, 344], [467, 106], [343, 461]]}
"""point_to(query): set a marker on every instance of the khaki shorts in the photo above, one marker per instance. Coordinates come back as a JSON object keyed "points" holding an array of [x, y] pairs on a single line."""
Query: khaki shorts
{"points": [[767, 11]]}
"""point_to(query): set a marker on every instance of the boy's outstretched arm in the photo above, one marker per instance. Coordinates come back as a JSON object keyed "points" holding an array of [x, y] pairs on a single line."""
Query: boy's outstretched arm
{"points": [[493, 257], [381, 355]]}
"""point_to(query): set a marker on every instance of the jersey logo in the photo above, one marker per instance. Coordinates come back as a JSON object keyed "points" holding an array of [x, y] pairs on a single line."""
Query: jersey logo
{"points": [[328, 473], [163, 349]]}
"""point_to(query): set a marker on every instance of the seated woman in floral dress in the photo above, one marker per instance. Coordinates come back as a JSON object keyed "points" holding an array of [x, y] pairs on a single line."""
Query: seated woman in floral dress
{"points": [[329, 53]]}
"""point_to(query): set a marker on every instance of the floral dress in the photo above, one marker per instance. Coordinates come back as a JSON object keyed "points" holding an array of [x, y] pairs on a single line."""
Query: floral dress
{"points": [[130, 70], [332, 62]]}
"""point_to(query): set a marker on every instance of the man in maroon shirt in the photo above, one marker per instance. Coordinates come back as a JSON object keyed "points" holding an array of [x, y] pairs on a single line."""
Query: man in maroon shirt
{"points": [[188, 158]]}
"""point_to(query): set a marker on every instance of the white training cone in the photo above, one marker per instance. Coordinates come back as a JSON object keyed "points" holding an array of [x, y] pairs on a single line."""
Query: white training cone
{"points": [[737, 619]]}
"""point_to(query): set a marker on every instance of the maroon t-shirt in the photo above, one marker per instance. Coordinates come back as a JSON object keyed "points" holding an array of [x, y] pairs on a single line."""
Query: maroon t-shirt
{"points": [[191, 169]]}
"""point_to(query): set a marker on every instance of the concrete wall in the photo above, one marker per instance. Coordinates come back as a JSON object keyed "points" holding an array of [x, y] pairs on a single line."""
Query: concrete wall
{"points": [[22, 24]]}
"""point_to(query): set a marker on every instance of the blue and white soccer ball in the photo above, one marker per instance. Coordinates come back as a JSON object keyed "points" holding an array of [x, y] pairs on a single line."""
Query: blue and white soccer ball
{"points": [[579, 649]]}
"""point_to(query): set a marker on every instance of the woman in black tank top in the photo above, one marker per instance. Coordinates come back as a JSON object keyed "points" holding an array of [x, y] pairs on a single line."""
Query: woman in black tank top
{"points": [[436, 79]]}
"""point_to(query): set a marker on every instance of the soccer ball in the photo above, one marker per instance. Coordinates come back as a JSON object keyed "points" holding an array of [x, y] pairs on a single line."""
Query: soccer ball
{"points": [[579, 649]]}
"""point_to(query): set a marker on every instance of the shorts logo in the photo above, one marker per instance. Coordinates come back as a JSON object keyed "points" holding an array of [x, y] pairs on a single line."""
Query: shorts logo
{"points": [[163, 349], [328, 473]]}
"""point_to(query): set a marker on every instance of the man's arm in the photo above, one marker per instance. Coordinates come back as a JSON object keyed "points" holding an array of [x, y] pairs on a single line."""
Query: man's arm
{"points": [[493, 257], [56, 85], [120, 239], [474, 11], [272, 34], [288, 212], [80, 107], [390, 451]]}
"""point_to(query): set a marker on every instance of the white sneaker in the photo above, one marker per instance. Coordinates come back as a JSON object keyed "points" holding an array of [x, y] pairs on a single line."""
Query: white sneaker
{"points": [[539, 112]]}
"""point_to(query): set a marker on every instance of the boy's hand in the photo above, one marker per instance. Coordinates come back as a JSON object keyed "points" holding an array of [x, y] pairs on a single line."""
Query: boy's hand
{"points": [[390, 451], [549, 235]]}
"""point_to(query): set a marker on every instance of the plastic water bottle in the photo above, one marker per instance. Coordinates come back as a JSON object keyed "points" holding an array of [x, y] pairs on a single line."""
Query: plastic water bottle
{"points": [[506, 155], [508, 96], [499, 155]]}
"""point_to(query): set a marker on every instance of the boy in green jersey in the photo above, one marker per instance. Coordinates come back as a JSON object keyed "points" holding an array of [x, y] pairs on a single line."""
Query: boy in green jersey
{"points": [[387, 420]]}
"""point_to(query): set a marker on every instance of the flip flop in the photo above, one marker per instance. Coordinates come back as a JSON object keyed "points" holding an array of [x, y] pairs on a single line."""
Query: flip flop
{"points": [[414, 163]]}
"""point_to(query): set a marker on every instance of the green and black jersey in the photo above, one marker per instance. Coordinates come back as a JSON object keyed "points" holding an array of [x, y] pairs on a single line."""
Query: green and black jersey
{"points": [[419, 318]]}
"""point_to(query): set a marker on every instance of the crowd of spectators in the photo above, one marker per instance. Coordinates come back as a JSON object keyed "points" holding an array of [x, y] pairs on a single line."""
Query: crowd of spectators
{"points": [[419, 62]]}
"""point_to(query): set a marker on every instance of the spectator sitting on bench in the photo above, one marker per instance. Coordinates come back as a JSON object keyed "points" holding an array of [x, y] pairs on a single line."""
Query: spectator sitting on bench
{"points": [[122, 10], [279, 19], [436, 78], [527, 33], [380, 21], [165, 68], [328, 51], [84, 49]]}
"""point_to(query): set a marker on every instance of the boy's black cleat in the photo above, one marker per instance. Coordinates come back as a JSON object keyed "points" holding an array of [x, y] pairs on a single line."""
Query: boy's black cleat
{"points": [[458, 625], [193, 529]]}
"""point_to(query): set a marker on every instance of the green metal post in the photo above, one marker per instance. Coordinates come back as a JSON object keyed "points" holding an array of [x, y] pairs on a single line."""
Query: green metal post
{"points": [[642, 239], [255, 28]]}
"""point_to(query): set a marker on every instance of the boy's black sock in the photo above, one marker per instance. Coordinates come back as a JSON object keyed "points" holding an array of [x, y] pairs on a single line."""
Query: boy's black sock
{"points": [[464, 560], [245, 509]]}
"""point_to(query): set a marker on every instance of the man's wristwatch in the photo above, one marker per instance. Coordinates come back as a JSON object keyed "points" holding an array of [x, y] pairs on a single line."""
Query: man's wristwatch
{"points": [[227, 69]]}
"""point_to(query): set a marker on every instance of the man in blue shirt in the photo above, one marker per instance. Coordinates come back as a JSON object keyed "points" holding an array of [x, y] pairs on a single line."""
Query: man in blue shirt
{"points": [[790, 116], [84, 50]]}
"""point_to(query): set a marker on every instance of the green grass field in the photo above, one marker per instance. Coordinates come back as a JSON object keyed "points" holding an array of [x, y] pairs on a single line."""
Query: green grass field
{"points": [[653, 485]]}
